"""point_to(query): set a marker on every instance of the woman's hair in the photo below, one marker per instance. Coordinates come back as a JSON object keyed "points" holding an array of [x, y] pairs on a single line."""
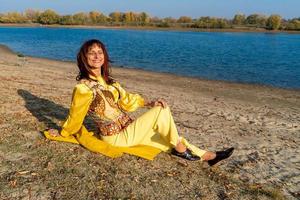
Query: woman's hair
{"points": [[82, 63]]}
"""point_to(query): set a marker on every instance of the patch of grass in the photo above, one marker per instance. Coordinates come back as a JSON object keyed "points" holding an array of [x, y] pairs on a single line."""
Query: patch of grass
{"points": [[273, 193]]}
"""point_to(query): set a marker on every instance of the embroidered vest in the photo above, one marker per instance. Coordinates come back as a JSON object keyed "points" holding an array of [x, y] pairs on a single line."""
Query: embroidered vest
{"points": [[104, 110]]}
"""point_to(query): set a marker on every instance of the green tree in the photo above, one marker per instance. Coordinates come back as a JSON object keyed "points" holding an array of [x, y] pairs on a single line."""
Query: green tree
{"points": [[222, 23], [66, 20], [184, 19], [218, 23], [144, 18], [239, 19], [48, 17], [80, 18], [202, 22], [293, 24], [274, 22], [13, 17], [252, 19], [102, 18], [210, 22], [256, 19]]}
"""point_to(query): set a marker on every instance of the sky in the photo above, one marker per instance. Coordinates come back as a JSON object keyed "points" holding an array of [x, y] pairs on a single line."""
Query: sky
{"points": [[162, 8]]}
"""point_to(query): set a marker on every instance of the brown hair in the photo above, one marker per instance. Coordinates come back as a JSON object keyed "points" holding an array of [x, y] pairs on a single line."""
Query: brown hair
{"points": [[84, 66]]}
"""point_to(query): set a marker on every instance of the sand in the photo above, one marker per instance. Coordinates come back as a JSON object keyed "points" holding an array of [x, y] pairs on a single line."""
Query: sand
{"points": [[233, 30], [262, 123]]}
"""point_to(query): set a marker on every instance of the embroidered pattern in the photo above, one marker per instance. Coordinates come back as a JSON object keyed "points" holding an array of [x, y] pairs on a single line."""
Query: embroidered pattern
{"points": [[110, 98], [103, 100], [116, 126], [98, 105]]}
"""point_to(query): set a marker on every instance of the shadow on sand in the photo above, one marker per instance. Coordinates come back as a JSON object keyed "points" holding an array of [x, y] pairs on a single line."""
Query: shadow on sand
{"points": [[43, 109], [46, 111]]}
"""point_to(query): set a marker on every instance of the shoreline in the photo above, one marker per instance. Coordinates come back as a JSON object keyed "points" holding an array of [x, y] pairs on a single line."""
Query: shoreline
{"points": [[223, 87], [150, 28], [6, 48]]}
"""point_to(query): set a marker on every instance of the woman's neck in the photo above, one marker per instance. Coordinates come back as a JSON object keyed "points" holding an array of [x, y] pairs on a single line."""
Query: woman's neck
{"points": [[95, 72]]}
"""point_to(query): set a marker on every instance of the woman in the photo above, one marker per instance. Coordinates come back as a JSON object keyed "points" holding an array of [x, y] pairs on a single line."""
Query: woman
{"points": [[98, 94]]}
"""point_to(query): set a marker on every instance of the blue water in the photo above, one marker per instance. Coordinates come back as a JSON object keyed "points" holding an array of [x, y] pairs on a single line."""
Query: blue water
{"points": [[268, 59]]}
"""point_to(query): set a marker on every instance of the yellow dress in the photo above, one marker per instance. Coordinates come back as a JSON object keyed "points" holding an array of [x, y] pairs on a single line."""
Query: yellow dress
{"points": [[146, 136]]}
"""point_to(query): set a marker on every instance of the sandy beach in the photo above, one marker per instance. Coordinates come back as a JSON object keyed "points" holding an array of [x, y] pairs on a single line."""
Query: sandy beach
{"points": [[262, 123]]}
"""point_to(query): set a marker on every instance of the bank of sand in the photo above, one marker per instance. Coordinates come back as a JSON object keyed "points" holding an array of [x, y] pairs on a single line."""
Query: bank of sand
{"points": [[240, 29], [262, 123]]}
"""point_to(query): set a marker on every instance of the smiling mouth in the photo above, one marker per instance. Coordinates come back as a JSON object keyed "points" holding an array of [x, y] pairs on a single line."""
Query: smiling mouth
{"points": [[97, 61]]}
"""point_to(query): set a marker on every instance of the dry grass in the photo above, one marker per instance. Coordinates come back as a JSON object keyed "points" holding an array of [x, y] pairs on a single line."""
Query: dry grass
{"points": [[35, 168]]}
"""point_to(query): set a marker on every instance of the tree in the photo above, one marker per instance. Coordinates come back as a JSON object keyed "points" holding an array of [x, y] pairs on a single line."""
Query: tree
{"points": [[66, 20], [222, 23], [293, 24], [166, 22], [210, 22], [116, 16], [94, 15], [48, 17], [155, 20], [274, 22], [102, 18], [32, 15], [12, 17], [256, 19], [184, 19], [80, 18], [15, 17], [129, 17], [144, 18], [252, 19], [239, 19], [169, 20]]}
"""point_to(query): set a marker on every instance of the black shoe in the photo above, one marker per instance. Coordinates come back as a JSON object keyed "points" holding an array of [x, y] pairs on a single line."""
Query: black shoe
{"points": [[221, 155], [186, 155]]}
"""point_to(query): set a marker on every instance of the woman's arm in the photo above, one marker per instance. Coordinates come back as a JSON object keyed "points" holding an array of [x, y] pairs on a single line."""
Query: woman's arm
{"points": [[128, 101], [81, 99]]}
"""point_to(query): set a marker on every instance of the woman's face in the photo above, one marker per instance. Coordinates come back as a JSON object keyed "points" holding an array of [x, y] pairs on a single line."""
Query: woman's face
{"points": [[95, 57]]}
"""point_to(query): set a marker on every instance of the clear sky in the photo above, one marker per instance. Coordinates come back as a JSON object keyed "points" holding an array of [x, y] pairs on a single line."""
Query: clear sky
{"points": [[162, 8]]}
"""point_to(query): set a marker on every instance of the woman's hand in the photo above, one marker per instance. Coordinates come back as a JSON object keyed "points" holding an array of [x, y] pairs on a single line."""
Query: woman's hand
{"points": [[53, 132], [159, 102]]}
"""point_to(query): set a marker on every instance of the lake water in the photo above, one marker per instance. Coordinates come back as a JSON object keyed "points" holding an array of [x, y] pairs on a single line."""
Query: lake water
{"points": [[261, 58]]}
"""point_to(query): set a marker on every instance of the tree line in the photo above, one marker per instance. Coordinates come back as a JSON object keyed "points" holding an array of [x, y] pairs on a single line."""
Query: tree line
{"points": [[239, 21]]}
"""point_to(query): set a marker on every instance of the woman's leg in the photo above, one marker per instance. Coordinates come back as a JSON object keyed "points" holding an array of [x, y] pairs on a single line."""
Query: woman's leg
{"points": [[144, 130], [155, 128]]}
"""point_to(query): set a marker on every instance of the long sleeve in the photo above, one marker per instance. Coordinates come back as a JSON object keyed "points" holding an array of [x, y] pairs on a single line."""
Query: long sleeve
{"points": [[81, 100], [127, 101]]}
